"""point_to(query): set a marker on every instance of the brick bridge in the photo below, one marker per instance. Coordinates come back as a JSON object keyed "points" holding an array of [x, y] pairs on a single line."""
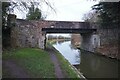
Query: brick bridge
{"points": [[87, 31], [33, 33]]}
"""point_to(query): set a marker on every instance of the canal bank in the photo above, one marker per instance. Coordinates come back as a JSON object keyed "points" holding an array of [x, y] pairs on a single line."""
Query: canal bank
{"points": [[68, 70], [36, 63], [94, 65], [90, 64], [100, 54]]}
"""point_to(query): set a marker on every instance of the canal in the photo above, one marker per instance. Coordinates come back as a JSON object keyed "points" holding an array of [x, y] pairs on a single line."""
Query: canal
{"points": [[90, 64]]}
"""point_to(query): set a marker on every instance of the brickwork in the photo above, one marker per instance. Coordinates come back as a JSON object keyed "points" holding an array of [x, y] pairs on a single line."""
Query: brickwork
{"points": [[109, 42], [76, 39], [29, 34]]}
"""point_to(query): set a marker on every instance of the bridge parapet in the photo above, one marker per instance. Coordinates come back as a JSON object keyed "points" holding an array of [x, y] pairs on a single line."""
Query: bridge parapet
{"points": [[32, 33], [61, 24], [65, 24]]}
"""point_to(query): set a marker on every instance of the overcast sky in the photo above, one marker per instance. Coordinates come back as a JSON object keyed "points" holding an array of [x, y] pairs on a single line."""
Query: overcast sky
{"points": [[66, 10], [70, 10]]}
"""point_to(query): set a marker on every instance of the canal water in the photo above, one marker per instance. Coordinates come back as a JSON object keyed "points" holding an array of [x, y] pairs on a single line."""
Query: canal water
{"points": [[90, 64]]}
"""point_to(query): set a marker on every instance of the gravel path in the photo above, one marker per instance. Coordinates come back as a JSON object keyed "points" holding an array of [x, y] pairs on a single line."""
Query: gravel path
{"points": [[58, 70], [14, 70]]}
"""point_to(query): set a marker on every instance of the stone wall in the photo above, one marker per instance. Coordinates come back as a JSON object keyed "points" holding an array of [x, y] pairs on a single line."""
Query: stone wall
{"points": [[90, 42], [29, 34], [24, 34], [109, 42], [76, 39]]}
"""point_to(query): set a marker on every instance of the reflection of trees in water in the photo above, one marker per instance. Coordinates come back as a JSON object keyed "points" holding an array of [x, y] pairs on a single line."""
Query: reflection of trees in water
{"points": [[77, 56], [55, 42], [95, 64], [61, 41], [72, 47]]}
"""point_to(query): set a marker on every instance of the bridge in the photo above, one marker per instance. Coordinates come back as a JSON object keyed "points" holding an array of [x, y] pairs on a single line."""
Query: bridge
{"points": [[67, 30], [32, 33], [89, 39]]}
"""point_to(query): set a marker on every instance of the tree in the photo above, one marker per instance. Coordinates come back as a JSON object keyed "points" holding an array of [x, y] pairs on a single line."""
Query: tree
{"points": [[34, 14], [109, 13], [5, 8], [5, 28], [8, 7], [91, 17]]}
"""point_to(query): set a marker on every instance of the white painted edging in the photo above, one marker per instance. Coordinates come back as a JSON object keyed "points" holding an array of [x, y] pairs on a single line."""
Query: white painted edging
{"points": [[76, 71]]}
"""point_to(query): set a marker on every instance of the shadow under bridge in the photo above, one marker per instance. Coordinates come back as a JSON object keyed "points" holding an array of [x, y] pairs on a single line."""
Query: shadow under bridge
{"points": [[67, 30]]}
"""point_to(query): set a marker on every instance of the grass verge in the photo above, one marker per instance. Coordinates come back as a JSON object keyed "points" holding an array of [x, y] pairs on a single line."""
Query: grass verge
{"points": [[65, 65], [69, 72], [35, 61]]}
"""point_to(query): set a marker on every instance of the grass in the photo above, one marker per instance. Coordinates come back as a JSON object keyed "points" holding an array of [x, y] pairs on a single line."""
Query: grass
{"points": [[51, 41], [36, 61], [65, 65]]}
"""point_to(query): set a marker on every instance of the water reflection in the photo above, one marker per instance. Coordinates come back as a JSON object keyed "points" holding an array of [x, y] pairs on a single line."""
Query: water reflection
{"points": [[94, 66], [72, 55], [91, 65]]}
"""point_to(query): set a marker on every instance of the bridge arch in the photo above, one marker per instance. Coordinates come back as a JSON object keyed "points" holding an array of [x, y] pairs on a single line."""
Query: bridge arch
{"points": [[90, 40]]}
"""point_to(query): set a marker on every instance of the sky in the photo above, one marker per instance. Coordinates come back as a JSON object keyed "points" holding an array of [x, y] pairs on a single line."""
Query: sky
{"points": [[65, 10], [70, 10]]}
